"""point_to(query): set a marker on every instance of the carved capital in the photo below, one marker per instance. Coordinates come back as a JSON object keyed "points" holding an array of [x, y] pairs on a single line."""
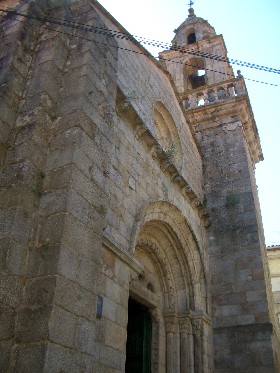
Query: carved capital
{"points": [[185, 326], [140, 130], [165, 165], [155, 314], [170, 324], [203, 213], [106, 113], [122, 107], [176, 177], [156, 150], [207, 222], [196, 203], [190, 193], [197, 327]]}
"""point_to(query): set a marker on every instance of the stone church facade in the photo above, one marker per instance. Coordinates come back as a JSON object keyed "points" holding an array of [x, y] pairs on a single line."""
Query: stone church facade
{"points": [[131, 235]]}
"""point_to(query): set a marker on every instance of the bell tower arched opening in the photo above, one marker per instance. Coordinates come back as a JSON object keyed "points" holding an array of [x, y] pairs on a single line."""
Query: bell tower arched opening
{"points": [[191, 38], [195, 74]]}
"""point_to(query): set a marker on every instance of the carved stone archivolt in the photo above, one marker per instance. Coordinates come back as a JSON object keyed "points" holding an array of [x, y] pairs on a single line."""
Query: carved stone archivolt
{"points": [[165, 234], [162, 258]]}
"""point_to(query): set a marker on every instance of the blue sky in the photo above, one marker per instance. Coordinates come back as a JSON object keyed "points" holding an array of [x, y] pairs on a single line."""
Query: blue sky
{"points": [[251, 31]]}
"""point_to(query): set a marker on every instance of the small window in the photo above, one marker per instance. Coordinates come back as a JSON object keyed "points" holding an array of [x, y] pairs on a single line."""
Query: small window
{"points": [[150, 287], [191, 38]]}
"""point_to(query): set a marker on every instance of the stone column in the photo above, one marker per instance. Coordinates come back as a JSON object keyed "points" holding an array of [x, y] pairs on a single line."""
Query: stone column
{"points": [[170, 325], [186, 346], [155, 339], [197, 346], [204, 352], [191, 351]]}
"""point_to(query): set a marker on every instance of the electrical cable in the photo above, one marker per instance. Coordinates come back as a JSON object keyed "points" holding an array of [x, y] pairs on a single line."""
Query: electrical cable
{"points": [[108, 32], [161, 59], [140, 39]]}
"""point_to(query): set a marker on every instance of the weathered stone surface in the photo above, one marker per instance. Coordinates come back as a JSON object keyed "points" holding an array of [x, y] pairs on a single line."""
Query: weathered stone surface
{"points": [[84, 339], [32, 324], [105, 162], [43, 260], [112, 358], [7, 322], [62, 326], [239, 272], [15, 224], [5, 357], [62, 359], [75, 299], [39, 291], [10, 287], [25, 361], [12, 257]]}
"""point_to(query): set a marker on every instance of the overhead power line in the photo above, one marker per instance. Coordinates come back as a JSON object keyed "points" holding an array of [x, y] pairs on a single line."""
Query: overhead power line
{"points": [[113, 33], [142, 40], [161, 59]]}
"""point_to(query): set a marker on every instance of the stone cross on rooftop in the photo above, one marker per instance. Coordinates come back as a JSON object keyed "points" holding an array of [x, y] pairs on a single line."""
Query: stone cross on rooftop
{"points": [[191, 3]]}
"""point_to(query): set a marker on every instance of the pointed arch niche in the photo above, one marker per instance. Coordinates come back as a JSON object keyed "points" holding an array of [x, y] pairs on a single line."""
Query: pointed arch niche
{"points": [[167, 134], [173, 286]]}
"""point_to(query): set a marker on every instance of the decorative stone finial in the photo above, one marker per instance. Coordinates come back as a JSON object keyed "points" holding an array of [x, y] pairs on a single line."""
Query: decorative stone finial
{"points": [[239, 74], [191, 11]]}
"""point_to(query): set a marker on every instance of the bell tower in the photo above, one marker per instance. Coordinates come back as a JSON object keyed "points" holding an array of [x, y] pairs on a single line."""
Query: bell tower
{"points": [[218, 109], [200, 55]]}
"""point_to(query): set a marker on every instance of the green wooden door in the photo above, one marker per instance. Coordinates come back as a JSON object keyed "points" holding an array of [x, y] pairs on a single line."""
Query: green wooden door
{"points": [[139, 339]]}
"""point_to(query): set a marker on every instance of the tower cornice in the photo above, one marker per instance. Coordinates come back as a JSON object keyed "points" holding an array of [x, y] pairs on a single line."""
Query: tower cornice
{"points": [[229, 113], [200, 45]]}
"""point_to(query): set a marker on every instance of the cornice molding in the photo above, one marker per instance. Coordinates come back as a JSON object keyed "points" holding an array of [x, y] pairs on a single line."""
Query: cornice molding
{"points": [[239, 109]]}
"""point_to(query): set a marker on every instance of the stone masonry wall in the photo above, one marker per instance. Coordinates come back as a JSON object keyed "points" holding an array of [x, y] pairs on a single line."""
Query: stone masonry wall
{"points": [[52, 210], [135, 179], [143, 83], [73, 174], [242, 328]]}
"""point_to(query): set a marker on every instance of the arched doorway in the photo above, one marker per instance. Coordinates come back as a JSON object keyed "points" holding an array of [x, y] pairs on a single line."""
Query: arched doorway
{"points": [[172, 287], [139, 338]]}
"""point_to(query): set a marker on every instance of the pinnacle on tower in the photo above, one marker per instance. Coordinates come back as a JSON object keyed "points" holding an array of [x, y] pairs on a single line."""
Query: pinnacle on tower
{"points": [[191, 10]]}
